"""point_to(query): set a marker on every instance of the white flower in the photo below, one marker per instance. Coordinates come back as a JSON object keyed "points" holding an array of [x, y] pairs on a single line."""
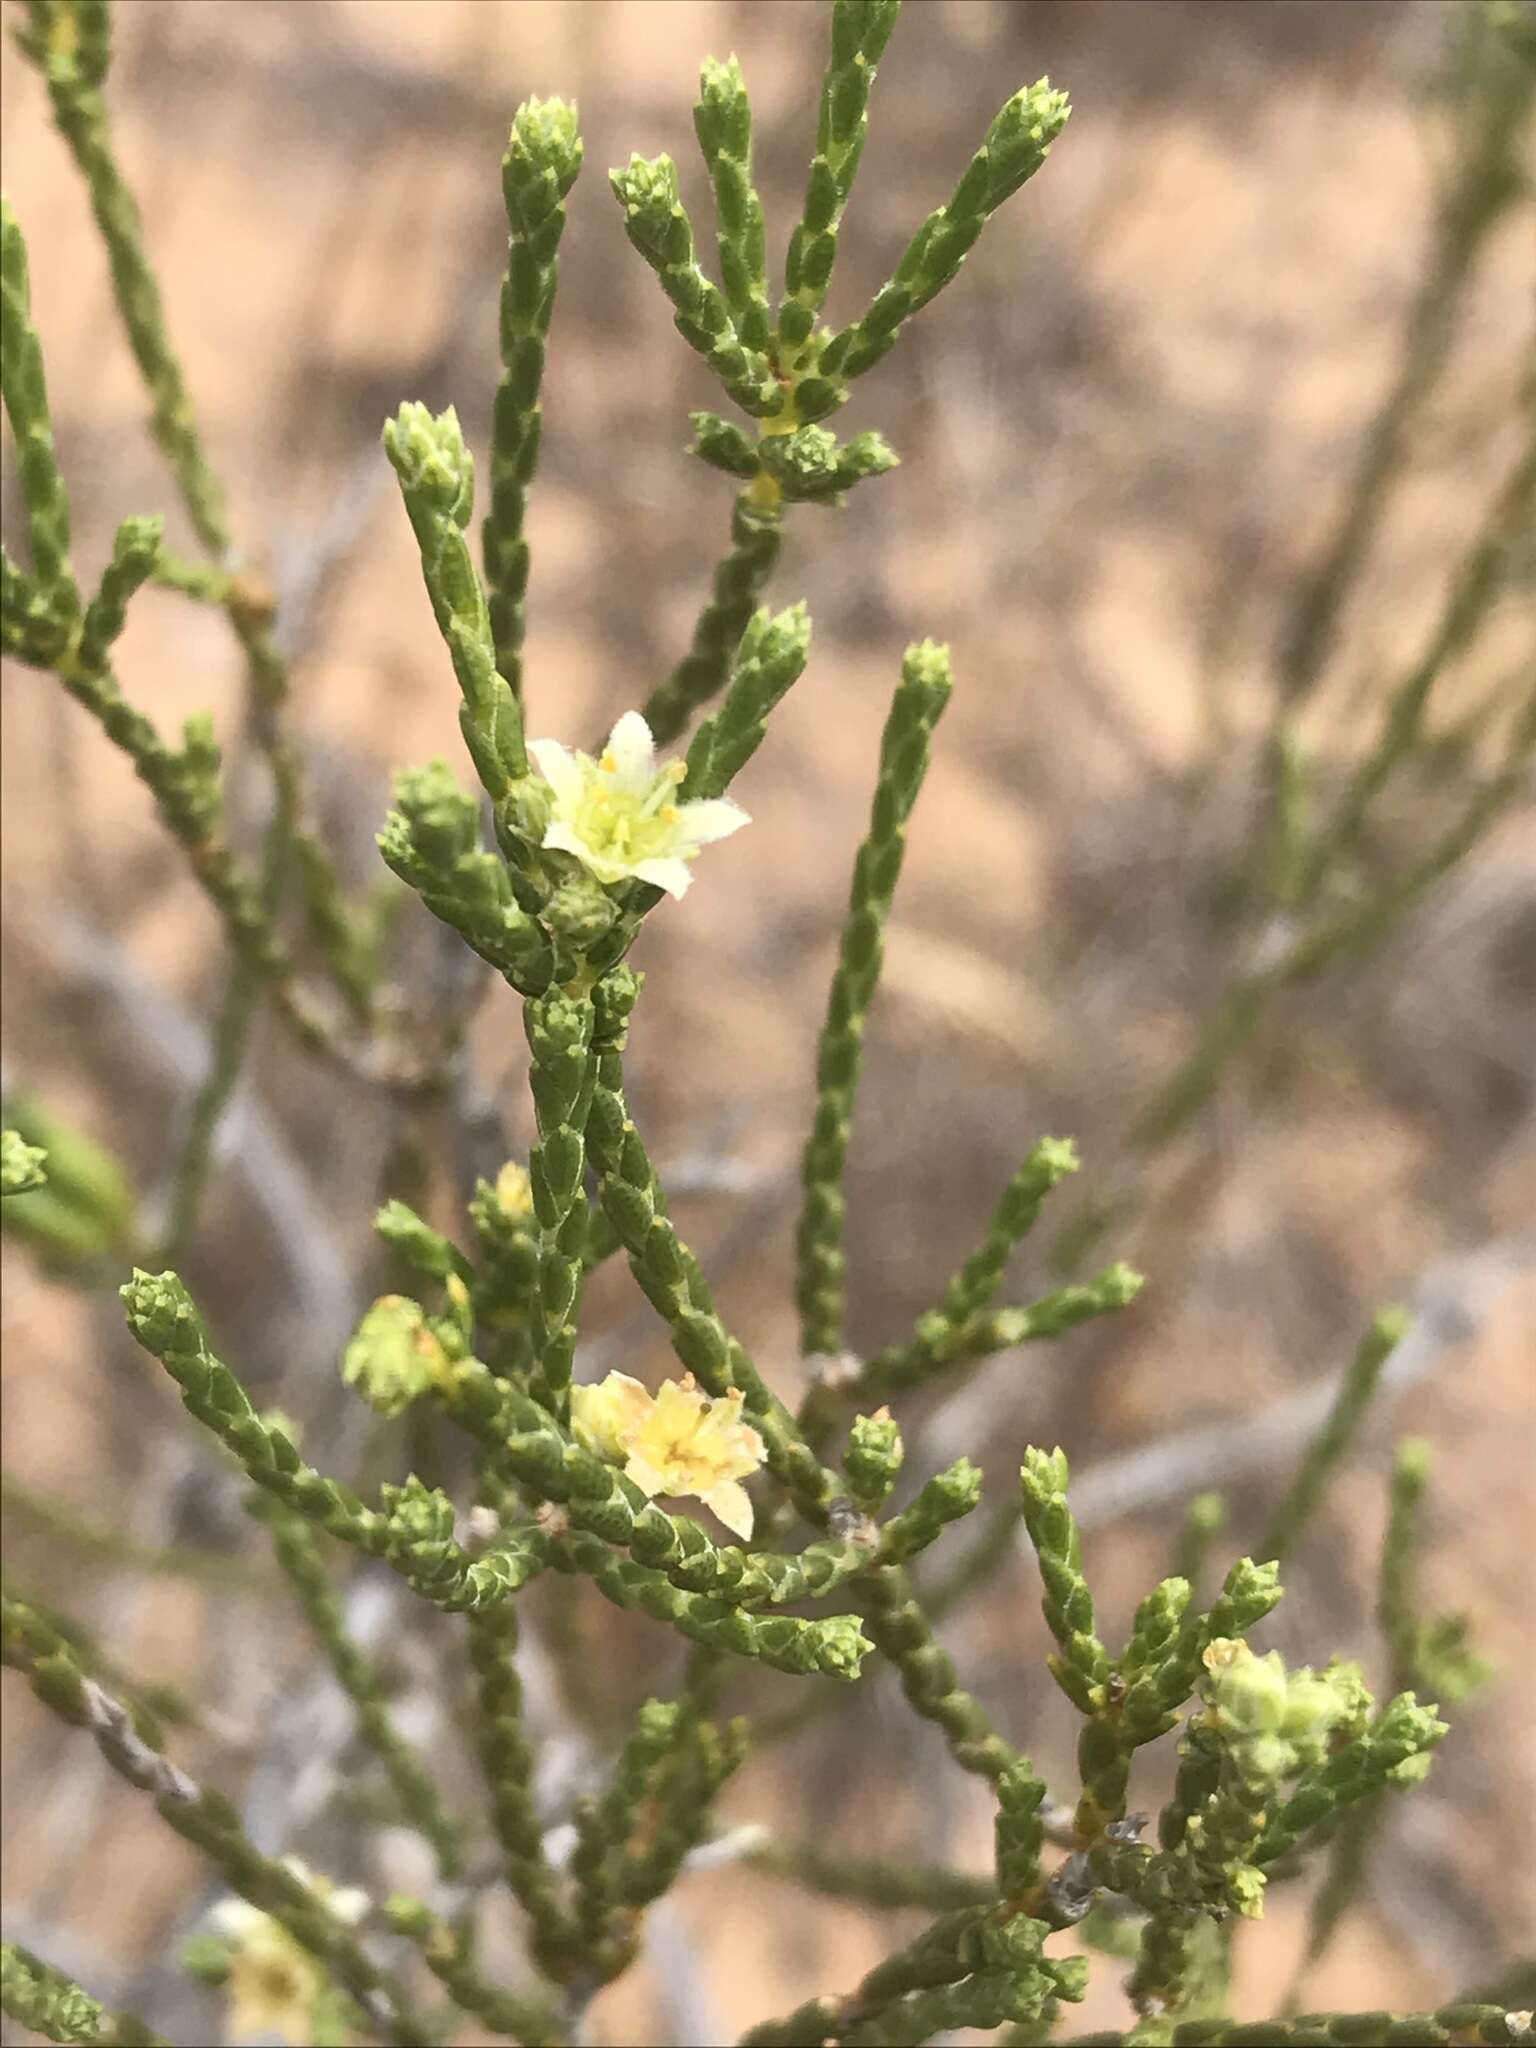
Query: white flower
{"points": [[618, 814], [273, 1984]]}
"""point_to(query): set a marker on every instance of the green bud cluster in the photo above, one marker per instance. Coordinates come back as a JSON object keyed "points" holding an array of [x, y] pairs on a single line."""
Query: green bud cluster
{"points": [[42, 1998], [1081, 1665], [873, 1458], [22, 1166], [811, 466], [1271, 1722], [657, 223], [968, 1969], [1262, 1727], [77, 1212]]}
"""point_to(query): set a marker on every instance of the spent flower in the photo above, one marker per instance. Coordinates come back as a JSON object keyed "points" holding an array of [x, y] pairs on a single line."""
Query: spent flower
{"points": [[394, 1357], [678, 1442], [619, 815], [1277, 1722]]}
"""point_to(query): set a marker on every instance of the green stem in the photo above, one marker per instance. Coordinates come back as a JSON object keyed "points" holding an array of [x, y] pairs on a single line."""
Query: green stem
{"points": [[739, 580], [506, 1760], [1485, 183], [901, 1631], [1476, 586], [448, 1954], [1299, 1504], [299, 1555], [820, 1289], [210, 1823]]}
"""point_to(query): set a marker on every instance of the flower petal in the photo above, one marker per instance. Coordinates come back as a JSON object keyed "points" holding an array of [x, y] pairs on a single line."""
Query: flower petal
{"points": [[235, 1917], [349, 1904], [672, 875], [650, 1478], [730, 1502], [604, 1416], [560, 769], [710, 819], [633, 753], [566, 839]]}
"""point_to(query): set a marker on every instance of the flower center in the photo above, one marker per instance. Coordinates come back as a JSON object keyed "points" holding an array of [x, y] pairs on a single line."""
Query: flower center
{"points": [[626, 826]]}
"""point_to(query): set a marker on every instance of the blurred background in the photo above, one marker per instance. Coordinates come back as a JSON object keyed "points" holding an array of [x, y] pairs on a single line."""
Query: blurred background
{"points": [[1129, 434]]}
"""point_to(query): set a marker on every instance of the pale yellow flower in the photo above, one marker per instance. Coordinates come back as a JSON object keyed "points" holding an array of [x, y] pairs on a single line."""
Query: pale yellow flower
{"points": [[619, 815], [604, 1417], [273, 1984], [514, 1192], [679, 1441], [1224, 1651]]}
